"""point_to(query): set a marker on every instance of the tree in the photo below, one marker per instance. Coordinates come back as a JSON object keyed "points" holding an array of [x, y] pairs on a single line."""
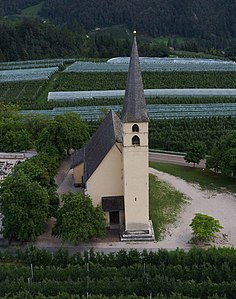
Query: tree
{"points": [[24, 205], [34, 124], [62, 133], [38, 172], [195, 152], [205, 227], [13, 135], [78, 219], [223, 155], [50, 163], [35, 171], [78, 132]]}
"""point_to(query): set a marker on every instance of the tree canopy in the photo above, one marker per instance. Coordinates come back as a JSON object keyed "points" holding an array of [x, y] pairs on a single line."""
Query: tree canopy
{"points": [[195, 152], [24, 205], [223, 155], [154, 18], [77, 219], [62, 133], [13, 134]]}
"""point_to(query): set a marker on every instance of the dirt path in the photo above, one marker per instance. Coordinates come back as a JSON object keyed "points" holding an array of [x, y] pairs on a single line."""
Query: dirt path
{"points": [[221, 206]]}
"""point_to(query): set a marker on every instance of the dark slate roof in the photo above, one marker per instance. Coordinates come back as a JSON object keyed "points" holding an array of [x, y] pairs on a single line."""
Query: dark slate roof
{"points": [[77, 158], [134, 108], [113, 203], [108, 133]]}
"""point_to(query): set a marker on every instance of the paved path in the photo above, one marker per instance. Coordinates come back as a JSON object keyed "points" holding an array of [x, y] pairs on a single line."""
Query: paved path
{"points": [[172, 159]]}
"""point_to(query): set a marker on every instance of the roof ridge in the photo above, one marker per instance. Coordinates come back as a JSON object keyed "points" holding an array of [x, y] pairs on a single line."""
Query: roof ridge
{"points": [[113, 122]]}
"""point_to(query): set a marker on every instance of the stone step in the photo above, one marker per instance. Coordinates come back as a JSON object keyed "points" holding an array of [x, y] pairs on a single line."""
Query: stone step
{"points": [[138, 235], [135, 238]]}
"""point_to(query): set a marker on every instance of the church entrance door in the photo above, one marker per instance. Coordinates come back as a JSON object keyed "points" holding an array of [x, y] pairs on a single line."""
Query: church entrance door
{"points": [[114, 219]]}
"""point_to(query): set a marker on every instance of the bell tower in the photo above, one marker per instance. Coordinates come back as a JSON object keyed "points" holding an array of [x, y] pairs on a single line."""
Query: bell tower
{"points": [[135, 121]]}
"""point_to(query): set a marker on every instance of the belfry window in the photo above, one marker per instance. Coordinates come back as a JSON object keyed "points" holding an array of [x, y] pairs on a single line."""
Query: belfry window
{"points": [[135, 128], [135, 140]]}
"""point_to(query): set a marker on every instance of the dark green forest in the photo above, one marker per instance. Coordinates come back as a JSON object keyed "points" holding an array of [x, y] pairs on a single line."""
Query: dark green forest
{"points": [[60, 27], [8, 7], [33, 39], [205, 19]]}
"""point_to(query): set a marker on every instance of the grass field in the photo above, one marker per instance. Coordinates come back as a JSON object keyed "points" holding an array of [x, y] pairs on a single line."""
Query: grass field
{"points": [[205, 178], [165, 203], [32, 10], [117, 32]]}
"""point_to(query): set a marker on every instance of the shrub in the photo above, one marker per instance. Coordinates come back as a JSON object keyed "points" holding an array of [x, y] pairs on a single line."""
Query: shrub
{"points": [[204, 227]]}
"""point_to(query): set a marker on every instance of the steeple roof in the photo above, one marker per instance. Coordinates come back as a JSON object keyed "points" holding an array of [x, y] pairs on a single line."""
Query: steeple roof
{"points": [[134, 108]]}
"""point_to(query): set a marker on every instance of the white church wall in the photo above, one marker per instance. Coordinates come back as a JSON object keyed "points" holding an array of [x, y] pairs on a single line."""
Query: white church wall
{"points": [[107, 179]]}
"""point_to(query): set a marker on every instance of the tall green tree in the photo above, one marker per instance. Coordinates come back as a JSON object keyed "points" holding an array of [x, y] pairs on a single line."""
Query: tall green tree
{"points": [[62, 133], [39, 172], [77, 130], [25, 206], [13, 134], [78, 219], [196, 151], [223, 155], [35, 171]]}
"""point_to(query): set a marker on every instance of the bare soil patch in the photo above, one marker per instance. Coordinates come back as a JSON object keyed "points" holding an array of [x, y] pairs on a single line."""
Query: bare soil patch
{"points": [[221, 206]]}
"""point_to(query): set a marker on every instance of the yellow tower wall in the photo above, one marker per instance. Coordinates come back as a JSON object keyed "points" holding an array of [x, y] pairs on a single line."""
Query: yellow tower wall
{"points": [[135, 173]]}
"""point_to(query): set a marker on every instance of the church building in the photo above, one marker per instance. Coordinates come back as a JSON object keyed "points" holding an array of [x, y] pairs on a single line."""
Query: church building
{"points": [[113, 166]]}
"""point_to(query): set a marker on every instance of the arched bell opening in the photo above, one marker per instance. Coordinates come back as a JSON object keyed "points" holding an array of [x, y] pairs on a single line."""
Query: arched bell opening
{"points": [[135, 128], [136, 140]]}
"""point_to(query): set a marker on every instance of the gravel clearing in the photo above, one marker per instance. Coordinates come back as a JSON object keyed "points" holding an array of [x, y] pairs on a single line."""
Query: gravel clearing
{"points": [[221, 206]]}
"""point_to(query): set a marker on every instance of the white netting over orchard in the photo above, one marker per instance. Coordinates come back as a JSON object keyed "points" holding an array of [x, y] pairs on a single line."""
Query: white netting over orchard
{"points": [[27, 74], [26, 64], [96, 94], [153, 64], [155, 111]]}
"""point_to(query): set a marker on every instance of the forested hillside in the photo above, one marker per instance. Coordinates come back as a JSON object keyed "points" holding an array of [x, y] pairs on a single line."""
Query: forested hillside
{"points": [[213, 22], [34, 39], [8, 7], [214, 19]]}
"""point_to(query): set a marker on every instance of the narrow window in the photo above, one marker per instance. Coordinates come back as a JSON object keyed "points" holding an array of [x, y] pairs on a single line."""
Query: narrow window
{"points": [[135, 128], [135, 140]]}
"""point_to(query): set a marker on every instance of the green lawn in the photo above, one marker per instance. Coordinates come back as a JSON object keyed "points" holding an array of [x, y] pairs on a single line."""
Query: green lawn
{"points": [[117, 31], [165, 203], [205, 178], [32, 10]]}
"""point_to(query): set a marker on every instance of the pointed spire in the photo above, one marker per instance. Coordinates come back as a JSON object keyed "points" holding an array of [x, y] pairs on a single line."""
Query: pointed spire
{"points": [[134, 108]]}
